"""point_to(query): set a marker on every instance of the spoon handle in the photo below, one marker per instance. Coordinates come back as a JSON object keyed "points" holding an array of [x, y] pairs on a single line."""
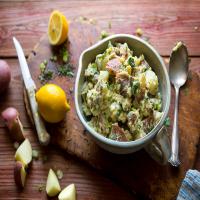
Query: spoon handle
{"points": [[174, 159]]}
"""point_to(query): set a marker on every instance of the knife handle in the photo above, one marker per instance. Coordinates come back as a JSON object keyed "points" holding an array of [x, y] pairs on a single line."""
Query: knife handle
{"points": [[43, 135]]}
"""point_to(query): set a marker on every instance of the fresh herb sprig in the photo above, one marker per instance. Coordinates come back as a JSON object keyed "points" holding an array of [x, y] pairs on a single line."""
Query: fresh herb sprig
{"points": [[104, 34], [167, 122], [65, 69], [45, 74]]}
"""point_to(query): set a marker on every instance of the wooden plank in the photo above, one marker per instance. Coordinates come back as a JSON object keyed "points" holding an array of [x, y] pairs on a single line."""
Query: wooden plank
{"points": [[89, 184], [27, 21], [14, 95]]}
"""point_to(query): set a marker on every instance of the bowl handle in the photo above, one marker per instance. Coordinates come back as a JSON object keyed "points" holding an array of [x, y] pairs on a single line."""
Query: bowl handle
{"points": [[159, 148]]}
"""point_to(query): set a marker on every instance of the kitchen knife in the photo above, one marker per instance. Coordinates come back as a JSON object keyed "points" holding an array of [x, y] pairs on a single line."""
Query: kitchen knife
{"points": [[43, 136]]}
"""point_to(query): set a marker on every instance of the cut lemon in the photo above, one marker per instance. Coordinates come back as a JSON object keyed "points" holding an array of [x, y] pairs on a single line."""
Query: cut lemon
{"points": [[58, 28]]}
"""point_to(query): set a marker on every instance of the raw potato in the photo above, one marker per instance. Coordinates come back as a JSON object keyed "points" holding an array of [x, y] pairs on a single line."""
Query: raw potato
{"points": [[52, 185], [5, 75], [24, 153], [11, 118], [68, 193], [19, 174]]}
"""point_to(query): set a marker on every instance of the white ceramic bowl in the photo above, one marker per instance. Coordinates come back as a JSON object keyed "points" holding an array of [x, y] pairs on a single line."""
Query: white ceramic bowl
{"points": [[155, 61]]}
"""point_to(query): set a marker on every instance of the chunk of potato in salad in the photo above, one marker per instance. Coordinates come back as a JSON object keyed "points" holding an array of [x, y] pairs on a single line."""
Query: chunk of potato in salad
{"points": [[120, 94]]}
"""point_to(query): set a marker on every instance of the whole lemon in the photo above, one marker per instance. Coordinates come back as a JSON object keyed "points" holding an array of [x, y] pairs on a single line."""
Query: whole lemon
{"points": [[52, 103]]}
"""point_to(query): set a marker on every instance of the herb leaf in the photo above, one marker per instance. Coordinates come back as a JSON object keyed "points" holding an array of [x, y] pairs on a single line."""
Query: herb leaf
{"points": [[134, 87], [45, 75], [131, 61], [104, 34], [65, 55], [65, 70], [53, 58], [42, 66], [167, 122]]}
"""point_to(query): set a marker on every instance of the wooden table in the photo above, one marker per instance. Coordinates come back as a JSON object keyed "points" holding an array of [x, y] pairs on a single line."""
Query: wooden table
{"points": [[164, 23]]}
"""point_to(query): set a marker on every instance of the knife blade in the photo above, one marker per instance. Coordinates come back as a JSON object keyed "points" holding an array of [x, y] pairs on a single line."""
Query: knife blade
{"points": [[43, 135]]}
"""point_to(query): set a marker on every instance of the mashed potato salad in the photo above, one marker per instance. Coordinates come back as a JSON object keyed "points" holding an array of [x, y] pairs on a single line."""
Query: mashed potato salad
{"points": [[120, 94]]}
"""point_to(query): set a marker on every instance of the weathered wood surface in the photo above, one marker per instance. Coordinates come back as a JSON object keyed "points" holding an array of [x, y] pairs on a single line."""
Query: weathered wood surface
{"points": [[90, 185], [155, 183], [164, 22]]}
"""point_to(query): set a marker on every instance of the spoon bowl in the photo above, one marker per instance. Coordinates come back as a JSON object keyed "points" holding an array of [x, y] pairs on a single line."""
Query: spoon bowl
{"points": [[178, 66]]}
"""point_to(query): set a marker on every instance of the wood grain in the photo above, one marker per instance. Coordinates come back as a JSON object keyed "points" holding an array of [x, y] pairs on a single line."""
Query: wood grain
{"points": [[158, 182], [164, 23], [89, 184]]}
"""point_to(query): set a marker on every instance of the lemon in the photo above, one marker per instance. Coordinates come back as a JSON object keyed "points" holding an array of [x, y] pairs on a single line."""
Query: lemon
{"points": [[58, 28], [52, 103]]}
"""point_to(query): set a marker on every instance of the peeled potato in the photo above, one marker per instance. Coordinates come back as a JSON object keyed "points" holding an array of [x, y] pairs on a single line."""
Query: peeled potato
{"points": [[52, 185], [24, 153], [68, 193], [151, 82], [104, 75]]}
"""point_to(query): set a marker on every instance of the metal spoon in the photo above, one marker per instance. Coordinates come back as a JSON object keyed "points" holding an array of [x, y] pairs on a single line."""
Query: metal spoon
{"points": [[178, 70]]}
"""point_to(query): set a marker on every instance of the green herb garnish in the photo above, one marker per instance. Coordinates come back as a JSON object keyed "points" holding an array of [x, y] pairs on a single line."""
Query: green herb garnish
{"points": [[53, 58], [167, 122], [135, 86], [131, 61], [45, 75], [65, 70], [45, 62], [42, 67], [104, 34], [65, 55]]}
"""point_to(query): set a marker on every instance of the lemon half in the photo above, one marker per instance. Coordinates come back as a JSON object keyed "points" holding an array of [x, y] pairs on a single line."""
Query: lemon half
{"points": [[58, 28]]}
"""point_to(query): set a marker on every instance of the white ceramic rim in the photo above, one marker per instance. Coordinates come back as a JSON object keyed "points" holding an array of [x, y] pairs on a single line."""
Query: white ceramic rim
{"points": [[102, 138]]}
